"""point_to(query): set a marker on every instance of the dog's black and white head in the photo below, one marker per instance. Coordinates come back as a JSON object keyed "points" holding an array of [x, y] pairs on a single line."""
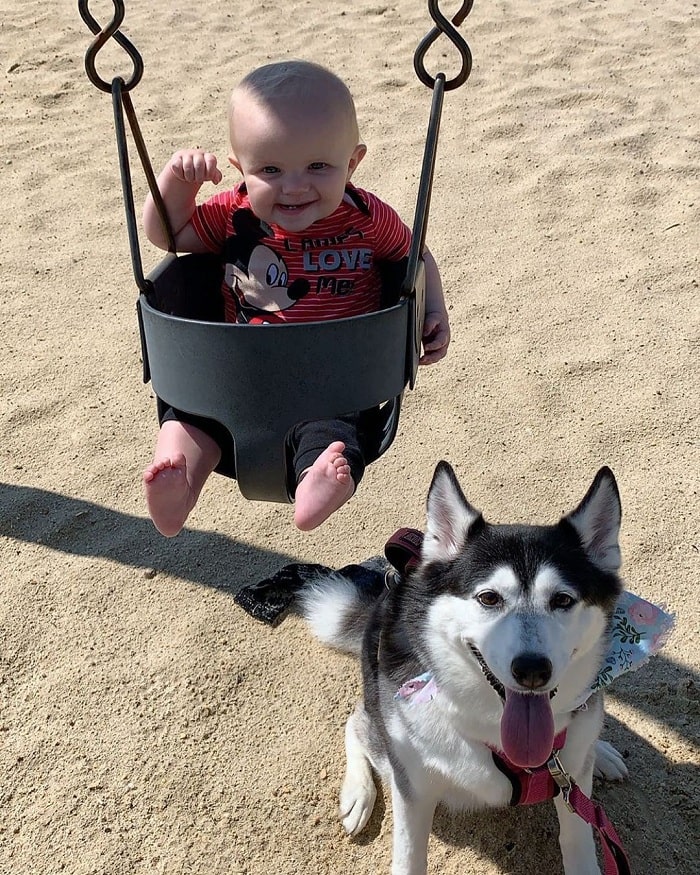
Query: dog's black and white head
{"points": [[526, 606]]}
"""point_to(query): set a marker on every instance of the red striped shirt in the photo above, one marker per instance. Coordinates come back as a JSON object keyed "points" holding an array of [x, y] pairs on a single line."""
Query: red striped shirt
{"points": [[328, 271]]}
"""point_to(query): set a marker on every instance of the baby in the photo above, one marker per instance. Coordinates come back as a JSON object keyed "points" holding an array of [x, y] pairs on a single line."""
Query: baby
{"points": [[298, 242]]}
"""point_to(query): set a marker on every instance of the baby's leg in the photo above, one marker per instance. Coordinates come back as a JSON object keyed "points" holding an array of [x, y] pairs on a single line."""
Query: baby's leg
{"points": [[323, 488], [184, 458]]}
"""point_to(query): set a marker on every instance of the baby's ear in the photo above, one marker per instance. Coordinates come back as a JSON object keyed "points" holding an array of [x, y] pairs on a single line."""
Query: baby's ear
{"points": [[358, 154], [234, 162]]}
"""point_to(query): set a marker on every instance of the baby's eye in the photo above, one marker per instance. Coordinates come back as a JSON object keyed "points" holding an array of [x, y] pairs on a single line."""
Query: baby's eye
{"points": [[270, 169], [318, 165]]}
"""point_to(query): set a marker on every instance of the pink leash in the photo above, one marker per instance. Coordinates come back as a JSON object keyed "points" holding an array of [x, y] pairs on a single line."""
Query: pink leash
{"points": [[614, 856], [539, 785]]}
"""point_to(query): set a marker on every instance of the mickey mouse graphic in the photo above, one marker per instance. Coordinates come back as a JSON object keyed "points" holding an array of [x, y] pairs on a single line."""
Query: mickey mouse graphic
{"points": [[257, 277]]}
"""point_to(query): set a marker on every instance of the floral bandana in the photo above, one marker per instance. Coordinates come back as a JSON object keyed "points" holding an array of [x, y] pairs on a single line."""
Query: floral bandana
{"points": [[639, 630]]}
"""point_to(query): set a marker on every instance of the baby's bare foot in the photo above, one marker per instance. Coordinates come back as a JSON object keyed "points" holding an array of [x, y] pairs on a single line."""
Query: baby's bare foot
{"points": [[168, 494], [324, 487]]}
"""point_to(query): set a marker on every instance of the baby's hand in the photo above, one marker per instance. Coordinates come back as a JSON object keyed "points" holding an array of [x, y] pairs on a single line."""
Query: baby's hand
{"points": [[436, 337], [195, 165]]}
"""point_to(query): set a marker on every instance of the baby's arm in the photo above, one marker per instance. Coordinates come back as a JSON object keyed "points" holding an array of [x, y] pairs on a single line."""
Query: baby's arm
{"points": [[179, 182], [436, 329]]}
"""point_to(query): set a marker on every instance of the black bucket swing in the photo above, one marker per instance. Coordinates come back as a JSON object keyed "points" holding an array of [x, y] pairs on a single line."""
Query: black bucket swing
{"points": [[259, 381]]}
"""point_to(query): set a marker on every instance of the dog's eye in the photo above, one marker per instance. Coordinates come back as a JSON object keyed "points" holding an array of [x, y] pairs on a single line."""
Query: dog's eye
{"points": [[562, 601], [489, 599]]}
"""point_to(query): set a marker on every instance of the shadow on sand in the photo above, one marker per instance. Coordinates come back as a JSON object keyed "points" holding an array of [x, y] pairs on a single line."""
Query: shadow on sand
{"points": [[659, 802], [81, 528]]}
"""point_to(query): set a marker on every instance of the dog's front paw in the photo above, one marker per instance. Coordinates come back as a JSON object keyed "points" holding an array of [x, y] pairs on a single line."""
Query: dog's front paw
{"points": [[609, 763], [356, 802]]}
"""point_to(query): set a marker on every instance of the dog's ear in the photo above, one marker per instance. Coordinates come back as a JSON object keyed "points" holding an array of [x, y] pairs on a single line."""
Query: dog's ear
{"points": [[449, 516], [597, 521]]}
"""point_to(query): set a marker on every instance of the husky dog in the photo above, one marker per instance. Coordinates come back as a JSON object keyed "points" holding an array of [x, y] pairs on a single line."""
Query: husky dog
{"points": [[489, 646]]}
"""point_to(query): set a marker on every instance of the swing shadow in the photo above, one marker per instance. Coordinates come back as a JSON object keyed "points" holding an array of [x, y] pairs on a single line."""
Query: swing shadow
{"points": [[81, 528]]}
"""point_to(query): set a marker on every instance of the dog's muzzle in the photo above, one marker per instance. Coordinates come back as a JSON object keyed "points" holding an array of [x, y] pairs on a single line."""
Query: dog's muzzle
{"points": [[491, 677]]}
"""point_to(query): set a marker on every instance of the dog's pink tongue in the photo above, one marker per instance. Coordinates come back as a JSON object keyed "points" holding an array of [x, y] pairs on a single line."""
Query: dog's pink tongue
{"points": [[527, 729]]}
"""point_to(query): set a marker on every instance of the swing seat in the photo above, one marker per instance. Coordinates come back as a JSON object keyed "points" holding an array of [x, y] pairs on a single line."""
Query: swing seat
{"points": [[259, 381]]}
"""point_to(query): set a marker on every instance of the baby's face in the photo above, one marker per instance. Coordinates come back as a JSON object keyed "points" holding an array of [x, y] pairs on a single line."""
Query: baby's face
{"points": [[295, 165]]}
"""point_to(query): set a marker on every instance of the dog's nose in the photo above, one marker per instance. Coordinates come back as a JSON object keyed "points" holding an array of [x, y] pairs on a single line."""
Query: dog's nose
{"points": [[531, 670]]}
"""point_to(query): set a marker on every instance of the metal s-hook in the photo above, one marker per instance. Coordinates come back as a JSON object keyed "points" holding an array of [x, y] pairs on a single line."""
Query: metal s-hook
{"points": [[444, 25], [103, 34]]}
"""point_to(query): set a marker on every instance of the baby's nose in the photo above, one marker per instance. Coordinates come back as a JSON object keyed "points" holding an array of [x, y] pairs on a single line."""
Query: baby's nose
{"points": [[294, 182]]}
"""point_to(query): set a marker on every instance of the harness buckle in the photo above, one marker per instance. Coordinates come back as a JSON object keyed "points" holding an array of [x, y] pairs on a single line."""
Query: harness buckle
{"points": [[561, 778]]}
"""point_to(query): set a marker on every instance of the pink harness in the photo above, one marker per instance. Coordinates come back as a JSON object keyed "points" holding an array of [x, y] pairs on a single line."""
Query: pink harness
{"points": [[547, 781]]}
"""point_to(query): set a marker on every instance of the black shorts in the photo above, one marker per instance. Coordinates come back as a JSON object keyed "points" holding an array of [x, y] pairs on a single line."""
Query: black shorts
{"points": [[305, 442]]}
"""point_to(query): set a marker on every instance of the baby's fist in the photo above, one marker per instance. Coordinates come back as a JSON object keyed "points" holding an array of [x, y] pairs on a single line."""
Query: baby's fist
{"points": [[195, 165]]}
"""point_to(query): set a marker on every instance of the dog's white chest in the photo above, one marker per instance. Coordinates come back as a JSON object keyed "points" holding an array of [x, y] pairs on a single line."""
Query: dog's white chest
{"points": [[437, 758]]}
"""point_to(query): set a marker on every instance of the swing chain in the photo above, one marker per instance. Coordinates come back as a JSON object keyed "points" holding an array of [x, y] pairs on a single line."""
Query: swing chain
{"points": [[103, 35], [445, 26], [122, 106]]}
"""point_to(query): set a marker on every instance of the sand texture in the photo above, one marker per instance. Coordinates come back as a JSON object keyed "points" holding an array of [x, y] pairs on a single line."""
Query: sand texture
{"points": [[147, 723]]}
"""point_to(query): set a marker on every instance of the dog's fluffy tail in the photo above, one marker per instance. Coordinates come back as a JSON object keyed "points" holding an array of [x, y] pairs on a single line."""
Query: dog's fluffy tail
{"points": [[337, 610]]}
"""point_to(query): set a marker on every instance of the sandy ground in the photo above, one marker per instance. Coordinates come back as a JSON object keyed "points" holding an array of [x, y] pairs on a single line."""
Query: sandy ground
{"points": [[147, 723]]}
